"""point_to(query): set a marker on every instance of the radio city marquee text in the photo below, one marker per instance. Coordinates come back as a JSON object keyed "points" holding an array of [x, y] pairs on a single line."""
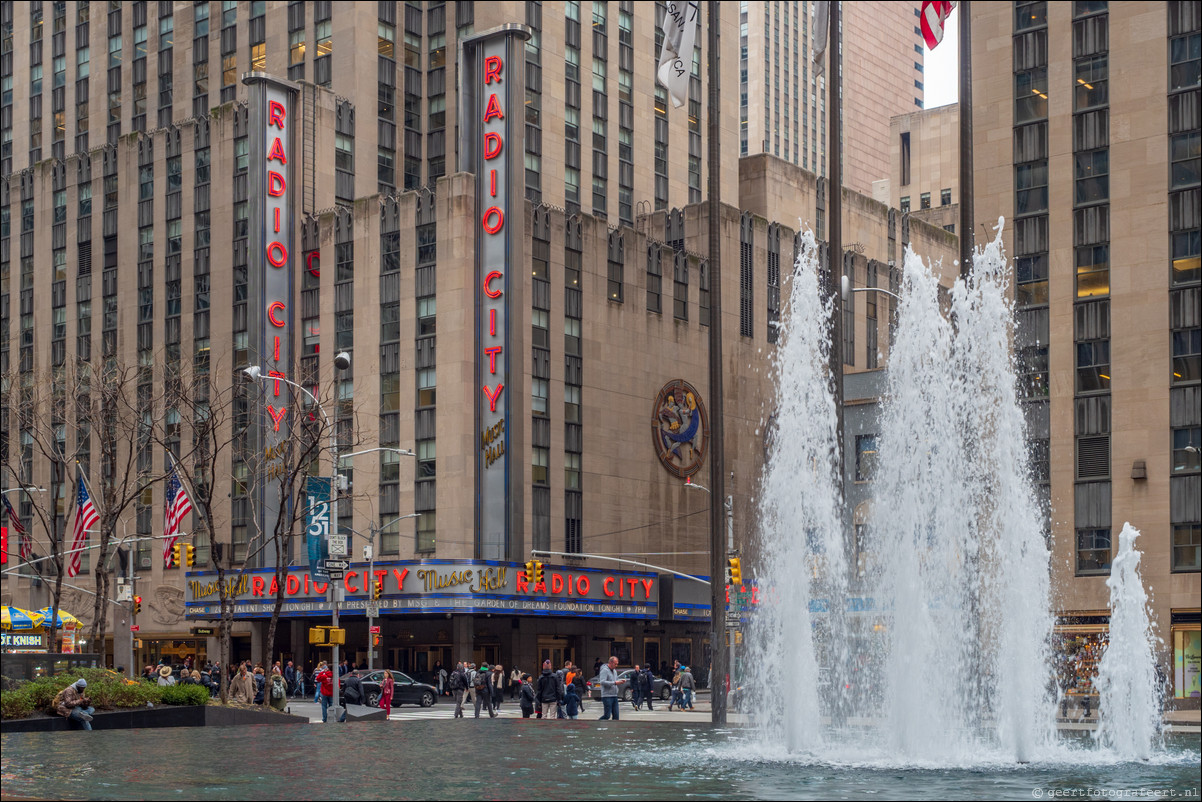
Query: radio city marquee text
{"points": [[592, 586], [493, 224], [278, 259]]}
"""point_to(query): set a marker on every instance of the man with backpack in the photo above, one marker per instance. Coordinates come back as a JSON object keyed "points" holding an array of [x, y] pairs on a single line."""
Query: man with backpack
{"points": [[481, 680], [459, 688], [549, 693]]}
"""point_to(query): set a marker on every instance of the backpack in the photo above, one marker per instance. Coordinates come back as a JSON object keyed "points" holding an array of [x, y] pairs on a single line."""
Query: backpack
{"points": [[277, 689], [457, 680], [481, 679]]}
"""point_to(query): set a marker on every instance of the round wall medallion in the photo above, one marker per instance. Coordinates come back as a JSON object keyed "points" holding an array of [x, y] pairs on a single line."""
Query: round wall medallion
{"points": [[680, 428]]}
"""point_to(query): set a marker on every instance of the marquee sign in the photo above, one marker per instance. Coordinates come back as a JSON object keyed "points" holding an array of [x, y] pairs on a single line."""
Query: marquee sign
{"points": [[437, 586], [491, 146], [269, 313]]}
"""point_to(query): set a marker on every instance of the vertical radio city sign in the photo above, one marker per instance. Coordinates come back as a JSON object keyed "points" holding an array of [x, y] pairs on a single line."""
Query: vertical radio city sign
{"points": [[491, 146], [270, 266]]}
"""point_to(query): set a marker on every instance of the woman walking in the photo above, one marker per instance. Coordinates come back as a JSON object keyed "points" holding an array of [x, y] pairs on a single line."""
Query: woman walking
{"points": [[386, 691]]}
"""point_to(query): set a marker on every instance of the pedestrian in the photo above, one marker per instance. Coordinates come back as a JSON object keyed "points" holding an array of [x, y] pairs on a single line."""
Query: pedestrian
{"points": [[458, 683], [73, 705], [482, 680], [526, 696], [278, 694], [686, 687], [609, 689], [647, 682], [260, 684], [343, 667], [242, 687], [515, 682], [597, 667], [498, 686], [677, 692], [439, 677], [289, 675], [386, 691], [565, 676], [324, 679], [571, 701], [317, 685], [636, 687], [165, 677], [549, 694]]}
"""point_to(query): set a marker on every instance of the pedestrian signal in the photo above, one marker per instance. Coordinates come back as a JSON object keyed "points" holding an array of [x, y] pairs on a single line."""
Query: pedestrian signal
{"points": [[736, 571]]}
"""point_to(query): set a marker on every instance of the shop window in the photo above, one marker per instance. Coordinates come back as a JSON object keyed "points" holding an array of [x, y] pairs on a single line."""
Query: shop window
{"points": [[1093, 551]]}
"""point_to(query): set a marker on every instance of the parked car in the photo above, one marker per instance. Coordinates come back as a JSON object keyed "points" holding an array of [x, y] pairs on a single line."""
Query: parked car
{"points": [[364, 688], [660, 687]]}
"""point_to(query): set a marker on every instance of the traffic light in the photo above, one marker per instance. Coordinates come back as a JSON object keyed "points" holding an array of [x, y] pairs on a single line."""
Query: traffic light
{"points": [[530, 571], [137, 604], [175, 554], [736, 571], [190, 555], [377, 589], [538, 573]]}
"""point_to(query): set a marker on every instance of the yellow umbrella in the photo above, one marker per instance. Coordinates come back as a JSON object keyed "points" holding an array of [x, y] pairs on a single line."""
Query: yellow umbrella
{"points": [[16, 618], [65, 619]]}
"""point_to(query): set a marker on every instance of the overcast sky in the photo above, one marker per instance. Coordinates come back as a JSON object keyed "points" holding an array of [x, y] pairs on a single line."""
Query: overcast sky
{"points": [[941, 67]]}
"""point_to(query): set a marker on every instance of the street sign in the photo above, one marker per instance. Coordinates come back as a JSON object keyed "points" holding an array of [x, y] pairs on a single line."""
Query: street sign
{"points": [[133, 627], [336, 574], [373, 630], [339, 546], [373, 611], [337, 565], [732, 619]]}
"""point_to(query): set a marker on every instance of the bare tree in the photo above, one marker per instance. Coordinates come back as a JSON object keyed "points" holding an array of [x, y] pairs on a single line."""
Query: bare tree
{"points": [[213, 414], [37, 414], [117, 410]]}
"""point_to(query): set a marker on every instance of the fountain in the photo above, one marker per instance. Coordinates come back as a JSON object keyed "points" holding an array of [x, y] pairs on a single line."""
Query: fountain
{"points": [[1128, 695], [955, 661]]}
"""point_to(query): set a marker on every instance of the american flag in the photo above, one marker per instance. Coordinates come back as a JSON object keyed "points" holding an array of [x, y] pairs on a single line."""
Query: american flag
{"points": [[85, 517], [25, 545], [176, 506], [934, 13]]}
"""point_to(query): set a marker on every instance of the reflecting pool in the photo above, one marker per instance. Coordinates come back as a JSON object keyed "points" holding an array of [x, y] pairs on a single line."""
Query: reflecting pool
{"points": [[520, 759]]}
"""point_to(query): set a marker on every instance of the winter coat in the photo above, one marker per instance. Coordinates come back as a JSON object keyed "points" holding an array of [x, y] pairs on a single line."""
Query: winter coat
{"points": [[571, 701], [278, 683], [609, 682], [326, 680], [242, 688], [686, 680], [549, 689], [68, 699], [526, 697]]}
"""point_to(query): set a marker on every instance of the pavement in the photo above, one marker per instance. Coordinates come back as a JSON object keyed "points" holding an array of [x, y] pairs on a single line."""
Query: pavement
{"points": [[444, 708]]}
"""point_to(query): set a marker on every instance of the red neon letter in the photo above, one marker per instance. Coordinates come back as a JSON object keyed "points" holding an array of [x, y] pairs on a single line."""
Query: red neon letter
{"points": [[647, 586], [271, 307], [277, 415], [275, 115], [493, 395], [556, 583], [277, 254], [400, 577], [492, 69], [277, 352], [492, 321], [275, 374], [257, 585], [492, 358], [277, 152], [492, 276], [275, 184], [582, 585], [605, 586], [498, 219], [493, 110], [346, 581], [292, 585], [492, 145]]}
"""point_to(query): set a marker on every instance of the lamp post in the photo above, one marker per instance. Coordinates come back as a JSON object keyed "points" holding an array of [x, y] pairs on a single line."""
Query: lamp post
{"points": [[729, 505], [369, 554], [342, 361]]}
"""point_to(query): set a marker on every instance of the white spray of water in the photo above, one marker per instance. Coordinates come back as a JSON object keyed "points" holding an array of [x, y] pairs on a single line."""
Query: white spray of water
{"points": [[800, 515], [958, 563], [1128, 700]]}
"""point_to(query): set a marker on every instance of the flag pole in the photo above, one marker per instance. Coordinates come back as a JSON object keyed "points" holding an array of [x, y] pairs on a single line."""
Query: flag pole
{"points": [[719, 668], [966, 176]]}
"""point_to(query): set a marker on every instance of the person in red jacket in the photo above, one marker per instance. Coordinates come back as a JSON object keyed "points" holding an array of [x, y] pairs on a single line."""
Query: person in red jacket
{"points": [[325, 682]]}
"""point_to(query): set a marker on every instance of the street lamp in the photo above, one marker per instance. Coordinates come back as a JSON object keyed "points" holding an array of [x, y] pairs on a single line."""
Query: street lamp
{"points": [[847, 290], [369, 554], [342, 361]]}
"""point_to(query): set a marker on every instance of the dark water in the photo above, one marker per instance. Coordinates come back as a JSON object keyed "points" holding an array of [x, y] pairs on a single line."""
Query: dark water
{"points": [[515, 759]]}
